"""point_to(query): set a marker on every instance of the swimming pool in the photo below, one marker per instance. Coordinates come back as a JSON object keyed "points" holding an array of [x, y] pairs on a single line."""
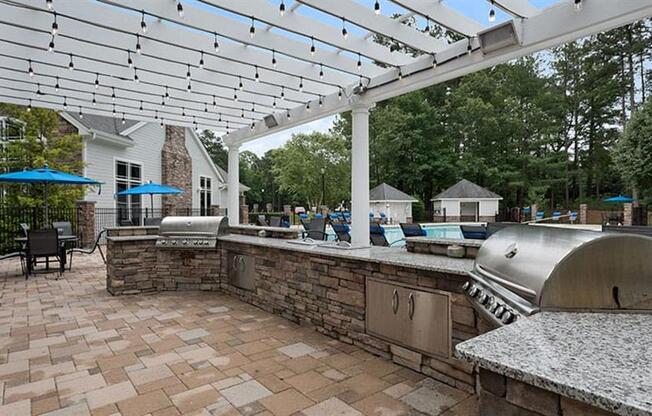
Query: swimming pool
{"points": [[395, 236]]}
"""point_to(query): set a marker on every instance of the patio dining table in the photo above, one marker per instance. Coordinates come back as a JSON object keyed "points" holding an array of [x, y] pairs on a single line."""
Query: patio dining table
{"points": [[63, 238]]}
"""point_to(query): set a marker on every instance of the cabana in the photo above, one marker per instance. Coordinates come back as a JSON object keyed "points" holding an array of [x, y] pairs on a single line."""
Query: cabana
{"points": [[394, 204]]}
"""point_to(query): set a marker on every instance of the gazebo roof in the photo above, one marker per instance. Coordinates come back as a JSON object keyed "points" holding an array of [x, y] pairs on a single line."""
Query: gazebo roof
{"points": [[384, 192], [465, 189], [249, 68]]}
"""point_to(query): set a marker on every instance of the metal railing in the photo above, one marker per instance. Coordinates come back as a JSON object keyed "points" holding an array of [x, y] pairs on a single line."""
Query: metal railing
{"points": [[34, 217]]}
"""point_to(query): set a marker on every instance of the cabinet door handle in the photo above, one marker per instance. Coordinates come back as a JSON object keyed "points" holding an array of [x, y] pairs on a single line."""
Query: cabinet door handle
{"points": [[395, 301], [235, 262], [411, 305]]}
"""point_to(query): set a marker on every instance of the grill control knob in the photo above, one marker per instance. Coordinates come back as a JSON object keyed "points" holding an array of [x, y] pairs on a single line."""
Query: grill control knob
{"points": [[508, 317], [473, 291], [499, 311], [484, 299], [174, 242], [184, 242], [163, 242], [466, 286], [493, 307]]}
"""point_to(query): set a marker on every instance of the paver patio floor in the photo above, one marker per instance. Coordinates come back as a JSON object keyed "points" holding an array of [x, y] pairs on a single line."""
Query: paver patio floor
{"points": [[67, 347]]}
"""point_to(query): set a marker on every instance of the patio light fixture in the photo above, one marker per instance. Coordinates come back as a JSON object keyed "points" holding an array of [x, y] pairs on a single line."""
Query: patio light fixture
{"points": [[180, 9], [143, 24], [281, 8], [492, 13], [55, 25], [377, 7], [216, 44]]}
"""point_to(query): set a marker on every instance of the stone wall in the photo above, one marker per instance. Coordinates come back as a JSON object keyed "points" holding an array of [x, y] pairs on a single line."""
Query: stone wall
{"points": [[176, 169], [86, 222], [500, 395]]}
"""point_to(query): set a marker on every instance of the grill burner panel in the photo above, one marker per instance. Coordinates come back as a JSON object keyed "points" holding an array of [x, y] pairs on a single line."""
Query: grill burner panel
{"points": [[197, 233], [522, 269]]}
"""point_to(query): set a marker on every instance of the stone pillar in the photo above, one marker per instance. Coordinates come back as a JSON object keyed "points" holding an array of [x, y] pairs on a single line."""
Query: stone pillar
{"points": [[287, 209], [215, 210], [86, 222], [256, 208], [584, 214], [533, 212], [627, 213], [360, 175], [269, 207], [233, 186], [176, 169], [244, 214]]}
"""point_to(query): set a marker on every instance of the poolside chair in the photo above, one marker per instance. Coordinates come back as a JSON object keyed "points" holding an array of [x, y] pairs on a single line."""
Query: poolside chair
{"points": [[412, 230], [556, 215], [572, 216], [342, 232], [346, 215], [315, 229], [540, 214], [377, 236], [318, 215], [43, 244], [333, 217], [20, 254], [89, 250], [274, 221], [262, 221], [383, 218], [476, 232], [303, 216], [285, 221]]}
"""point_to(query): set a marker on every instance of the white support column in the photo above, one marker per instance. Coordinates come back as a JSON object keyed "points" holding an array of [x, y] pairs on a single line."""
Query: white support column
{"points": [[233, 185], [360, 175]]}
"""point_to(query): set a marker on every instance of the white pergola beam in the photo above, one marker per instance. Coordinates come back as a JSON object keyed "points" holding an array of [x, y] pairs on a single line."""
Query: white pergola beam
{"points": [[366, 18], [443, 15], [519, 8], [557, 25]]}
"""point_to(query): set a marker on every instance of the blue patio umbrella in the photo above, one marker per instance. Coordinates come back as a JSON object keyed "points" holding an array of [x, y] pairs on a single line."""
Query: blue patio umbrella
{"points": [[152, 189], [619, 198], [46, 176]]}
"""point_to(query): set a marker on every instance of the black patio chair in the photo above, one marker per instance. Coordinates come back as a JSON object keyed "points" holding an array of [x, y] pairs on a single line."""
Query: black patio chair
{"points": [[378, 237], [262, 221], [342, 232], [44, 244], [20, 254], [315, 229], [274, 221], [412, 230], [153, 221], [90, 250]]}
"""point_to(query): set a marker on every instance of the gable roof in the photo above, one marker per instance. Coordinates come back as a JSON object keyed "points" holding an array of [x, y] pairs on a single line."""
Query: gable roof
{"points": [[109, 125], [384, 192], [466, 189]]}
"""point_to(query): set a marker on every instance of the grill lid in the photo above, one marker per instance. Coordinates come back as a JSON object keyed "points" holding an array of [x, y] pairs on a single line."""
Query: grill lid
{"points": [[193, 226], [557, 268]]}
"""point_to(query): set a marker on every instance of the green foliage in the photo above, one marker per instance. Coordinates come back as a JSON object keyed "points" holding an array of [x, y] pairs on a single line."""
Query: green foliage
{"points": [[633, 153], [215, 148], [298, 167], [42, 144]]}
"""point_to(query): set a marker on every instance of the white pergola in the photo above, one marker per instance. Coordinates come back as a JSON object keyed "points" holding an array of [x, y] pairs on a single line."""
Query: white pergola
{"points": [[249, 68]]}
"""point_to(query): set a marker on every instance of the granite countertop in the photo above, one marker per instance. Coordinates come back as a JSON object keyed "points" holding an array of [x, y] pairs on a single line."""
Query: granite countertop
{"points": [[386, 255], [266, 228], [598, 358], [446, 241]]}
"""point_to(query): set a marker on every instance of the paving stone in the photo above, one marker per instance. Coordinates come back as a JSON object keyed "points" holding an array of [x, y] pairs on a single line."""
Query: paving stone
{"points": [[218, 309], [297, 350], [331, 407], [245, 393], [110, 394], [286, 402], [192, 334], [144, 404], [19, 408], [29, 390], [78, 409], [194, 399]]}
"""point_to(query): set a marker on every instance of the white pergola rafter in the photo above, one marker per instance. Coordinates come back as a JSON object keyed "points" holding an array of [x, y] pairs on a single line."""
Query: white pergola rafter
{"points": [[442, 15]]}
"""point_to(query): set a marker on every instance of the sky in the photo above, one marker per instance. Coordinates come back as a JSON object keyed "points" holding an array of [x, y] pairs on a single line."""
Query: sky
{"points": [[475, 9]]}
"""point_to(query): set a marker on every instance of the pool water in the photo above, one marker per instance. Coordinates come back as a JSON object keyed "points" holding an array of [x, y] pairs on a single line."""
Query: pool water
{"points": [[395, 236]]}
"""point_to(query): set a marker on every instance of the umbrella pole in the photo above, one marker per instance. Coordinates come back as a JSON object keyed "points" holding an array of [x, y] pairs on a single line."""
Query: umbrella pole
{"points": [[151, 200], [47, 219]]}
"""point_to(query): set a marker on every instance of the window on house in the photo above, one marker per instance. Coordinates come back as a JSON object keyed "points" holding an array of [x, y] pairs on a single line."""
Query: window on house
{"points": [[128, 175], [205, 195]]}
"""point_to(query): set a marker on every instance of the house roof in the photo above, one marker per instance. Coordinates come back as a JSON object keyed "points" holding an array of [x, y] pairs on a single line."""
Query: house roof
{"points": [[109, 125], [466, 189], [384, 192]]}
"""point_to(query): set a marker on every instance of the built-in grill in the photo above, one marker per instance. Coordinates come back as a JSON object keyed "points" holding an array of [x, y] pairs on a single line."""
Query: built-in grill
{"points": [[198, 233], [524, 269]]}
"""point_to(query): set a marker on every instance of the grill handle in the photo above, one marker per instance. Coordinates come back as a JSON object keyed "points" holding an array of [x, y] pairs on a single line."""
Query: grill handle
{"points": [[395, 301], [517, 288]]}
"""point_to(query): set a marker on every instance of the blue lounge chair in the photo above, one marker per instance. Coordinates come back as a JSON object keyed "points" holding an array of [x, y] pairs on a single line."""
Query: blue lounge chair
{"points": [[540, 215], [303, 216], [315, 229], [556, 215], [572, 216], [347, 217], [412, 230], [318, 215], [342, 231], [475, 232], [378, 238]]}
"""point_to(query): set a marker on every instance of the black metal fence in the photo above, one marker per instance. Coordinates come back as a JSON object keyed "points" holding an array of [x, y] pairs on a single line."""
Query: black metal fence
{"points": [[11, 219]]}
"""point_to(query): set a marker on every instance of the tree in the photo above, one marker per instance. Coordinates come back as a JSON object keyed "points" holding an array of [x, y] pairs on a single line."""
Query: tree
{"points": [[215, 148], [42, 144], [633, 153], [297, 167]]}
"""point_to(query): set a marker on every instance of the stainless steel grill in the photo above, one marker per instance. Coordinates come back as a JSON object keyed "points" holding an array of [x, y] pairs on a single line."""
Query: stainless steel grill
{"points": [[198, 233], [523, 269]]}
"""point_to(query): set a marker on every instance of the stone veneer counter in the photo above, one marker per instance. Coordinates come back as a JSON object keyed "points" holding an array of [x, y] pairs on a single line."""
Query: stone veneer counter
{"points": [[382, 255], [600, 359]]}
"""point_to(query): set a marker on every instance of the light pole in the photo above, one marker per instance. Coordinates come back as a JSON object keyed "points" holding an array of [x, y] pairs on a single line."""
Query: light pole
{"points": [[323, 186]]}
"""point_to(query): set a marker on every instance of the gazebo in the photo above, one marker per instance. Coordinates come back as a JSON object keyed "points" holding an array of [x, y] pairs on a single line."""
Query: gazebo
{"points": [[396, 205], [466, 202], [250, 68]]}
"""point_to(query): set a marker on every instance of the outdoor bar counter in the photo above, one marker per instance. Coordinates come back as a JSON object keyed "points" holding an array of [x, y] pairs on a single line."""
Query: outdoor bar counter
{"points": [[321, 287], [569, 364]]}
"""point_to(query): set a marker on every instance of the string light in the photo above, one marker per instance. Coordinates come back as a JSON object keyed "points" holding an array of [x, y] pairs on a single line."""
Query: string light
{"points": [[29, 106], [339, 94], [345, 33], [253, 125], [180, 9], [216, 44], [282, 93], [300, 84], [273, 58], [123, 118], [143, 24], [578, 5], [242, 113], [138, 50], [55, 25], [321, 101], [205, 108], [65, 103], [313, 50], [30, 70], [94, 101], [274, 103], [167, 94], [469, 48], [360, 82], [321, 71], [38, 89], [257, 75], [377, 7], [400, 74], [253, 107], [136, 79], [48, 4], [308, 106], [97, 80], [183, 111], [51, 45], [112, 93], [161, 122], [359, 62], [287, 114], [235, 95], [81, 115], [71, 65], [281, 8], [214, 102], [427, 28], [188, 73], [56, 86], [155, 114], [141, 106], [130, 61], [492, 12], [219, 118], [114, 114], [162, 101], [252, 29], [189, 87], [240, 85], [434, 60], [201, 60]]}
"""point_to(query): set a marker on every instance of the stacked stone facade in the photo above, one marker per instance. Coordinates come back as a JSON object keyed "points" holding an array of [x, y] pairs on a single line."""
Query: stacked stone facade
{"points": [[86, 222], [176, 169], [326, 292], [500, 395]]}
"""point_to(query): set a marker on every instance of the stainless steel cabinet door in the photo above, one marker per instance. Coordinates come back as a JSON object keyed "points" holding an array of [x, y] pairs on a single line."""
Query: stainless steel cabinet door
{"points": [[429, 321], [386, 312]]}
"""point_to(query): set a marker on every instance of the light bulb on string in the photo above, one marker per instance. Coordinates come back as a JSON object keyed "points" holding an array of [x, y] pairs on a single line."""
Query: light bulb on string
{"points": [[180, 9], [130, 61], [252, 28], [71, 65], [81, 115], [38, 89], [143, 24], [235, 95], [281, 8], [240, 85], [434, 60], [56, 86], [313, 50], [141, 106], [167, 94], [94, 102], [321, 101], [30, 70], [578, 5], [29, 106], [283, 93], [300, 84], [216, 44], [97, 80], [201, 60], [112, 93], [321, 71], [188, 73], [55, 25], [377, 7], [257, 75], [123, 121], [339, 94], [136, 79], [48, 4], [345, 33], [214, 102], [138, 49], [51, 45], [492, 12], [65, 103], [359, 62], [273, 58]]}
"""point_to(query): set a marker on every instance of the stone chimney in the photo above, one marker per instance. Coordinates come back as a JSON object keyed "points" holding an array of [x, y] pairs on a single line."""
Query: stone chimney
{"points": [[176, 170]]}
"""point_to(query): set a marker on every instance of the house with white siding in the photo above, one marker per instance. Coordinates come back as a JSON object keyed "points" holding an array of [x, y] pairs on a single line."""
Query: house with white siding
{"points": [[130, 153]]}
